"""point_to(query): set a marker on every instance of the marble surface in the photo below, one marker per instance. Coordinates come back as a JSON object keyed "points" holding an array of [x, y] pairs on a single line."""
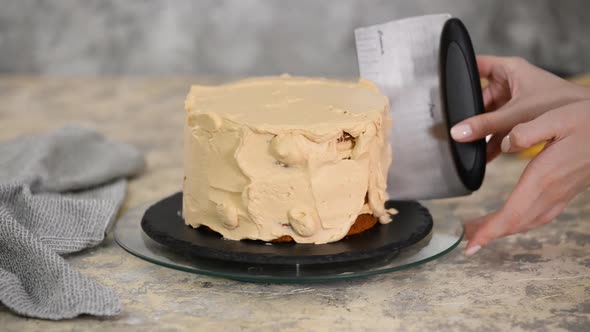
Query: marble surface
{"points": [[253, 37], [539, 281]]}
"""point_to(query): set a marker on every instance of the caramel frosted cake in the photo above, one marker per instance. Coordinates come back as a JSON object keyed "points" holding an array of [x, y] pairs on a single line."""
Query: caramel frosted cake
{"points": [[286, 158]]}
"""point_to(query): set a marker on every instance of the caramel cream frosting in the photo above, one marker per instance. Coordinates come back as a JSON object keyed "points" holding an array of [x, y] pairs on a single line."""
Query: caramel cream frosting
{"points": [[274, 156]]}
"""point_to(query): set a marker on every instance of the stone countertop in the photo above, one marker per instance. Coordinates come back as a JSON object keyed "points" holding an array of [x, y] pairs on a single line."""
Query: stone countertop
{"points": [[536, 281]]}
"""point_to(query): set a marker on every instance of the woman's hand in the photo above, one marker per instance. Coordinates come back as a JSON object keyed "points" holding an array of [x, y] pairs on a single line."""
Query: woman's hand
{"points": [[530, 106], [517, 92]]}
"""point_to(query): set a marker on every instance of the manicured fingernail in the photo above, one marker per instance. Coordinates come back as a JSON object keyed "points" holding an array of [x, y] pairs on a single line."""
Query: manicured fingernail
{"points": [[461, 131], [471, 251], [505, 146]]}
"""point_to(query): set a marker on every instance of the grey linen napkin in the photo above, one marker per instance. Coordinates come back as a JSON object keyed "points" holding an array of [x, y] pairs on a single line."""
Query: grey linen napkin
{"points": [[59, 193]]}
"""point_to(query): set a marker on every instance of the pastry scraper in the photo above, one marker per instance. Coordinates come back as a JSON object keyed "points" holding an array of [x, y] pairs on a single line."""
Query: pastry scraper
{"points": [[426, 66]]}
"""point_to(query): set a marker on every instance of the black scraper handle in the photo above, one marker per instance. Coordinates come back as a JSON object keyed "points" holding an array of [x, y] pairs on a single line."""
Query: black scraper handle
{"points": [[461, 99]]}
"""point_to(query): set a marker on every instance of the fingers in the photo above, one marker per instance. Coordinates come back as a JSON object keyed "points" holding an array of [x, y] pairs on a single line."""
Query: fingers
{"points": [[503, 120], [496, 225], [485, 64], [523, 136], [539, 196], [483, 232], [497, 91], [491, 227], [488, 98], [482, 125], [550, 180], [472, 226], [495, 95], [522, 206], [489, 65], [511, 108], [493, 149]]}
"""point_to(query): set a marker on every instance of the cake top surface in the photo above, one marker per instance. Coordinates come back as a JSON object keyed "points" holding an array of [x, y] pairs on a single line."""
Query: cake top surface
{"points": [[290, 102]]}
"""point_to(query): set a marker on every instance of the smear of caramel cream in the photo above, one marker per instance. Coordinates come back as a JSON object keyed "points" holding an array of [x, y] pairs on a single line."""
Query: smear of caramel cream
{"points": [[272, 157]]}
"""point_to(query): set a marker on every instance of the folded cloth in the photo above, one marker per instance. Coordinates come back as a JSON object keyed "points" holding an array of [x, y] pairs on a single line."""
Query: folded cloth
{"points": [[59, 193]]}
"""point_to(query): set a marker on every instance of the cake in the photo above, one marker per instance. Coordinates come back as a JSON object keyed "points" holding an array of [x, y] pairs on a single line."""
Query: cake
{"points": [[286, 158]]}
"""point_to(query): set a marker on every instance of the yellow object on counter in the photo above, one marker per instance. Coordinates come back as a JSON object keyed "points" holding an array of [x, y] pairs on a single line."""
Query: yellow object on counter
{"points": [[582, 79], [532, 151]]}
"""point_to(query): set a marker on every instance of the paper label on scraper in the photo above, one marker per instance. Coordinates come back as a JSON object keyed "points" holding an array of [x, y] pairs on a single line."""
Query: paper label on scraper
{"points": [[402, 58]]}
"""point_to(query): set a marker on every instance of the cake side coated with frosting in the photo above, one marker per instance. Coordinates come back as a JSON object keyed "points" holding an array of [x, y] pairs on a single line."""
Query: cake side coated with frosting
{"points": [[274, 156]]}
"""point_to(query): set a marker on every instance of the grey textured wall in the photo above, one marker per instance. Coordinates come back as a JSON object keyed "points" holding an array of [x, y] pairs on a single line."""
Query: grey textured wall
{"points": [[252, 37]]}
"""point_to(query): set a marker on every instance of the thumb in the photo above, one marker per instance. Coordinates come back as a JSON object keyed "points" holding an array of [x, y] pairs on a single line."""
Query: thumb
{"points": [[523, 136]]}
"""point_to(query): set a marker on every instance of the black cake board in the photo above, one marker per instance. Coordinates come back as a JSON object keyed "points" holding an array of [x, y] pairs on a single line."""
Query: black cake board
{"points": [[163, 223]]}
